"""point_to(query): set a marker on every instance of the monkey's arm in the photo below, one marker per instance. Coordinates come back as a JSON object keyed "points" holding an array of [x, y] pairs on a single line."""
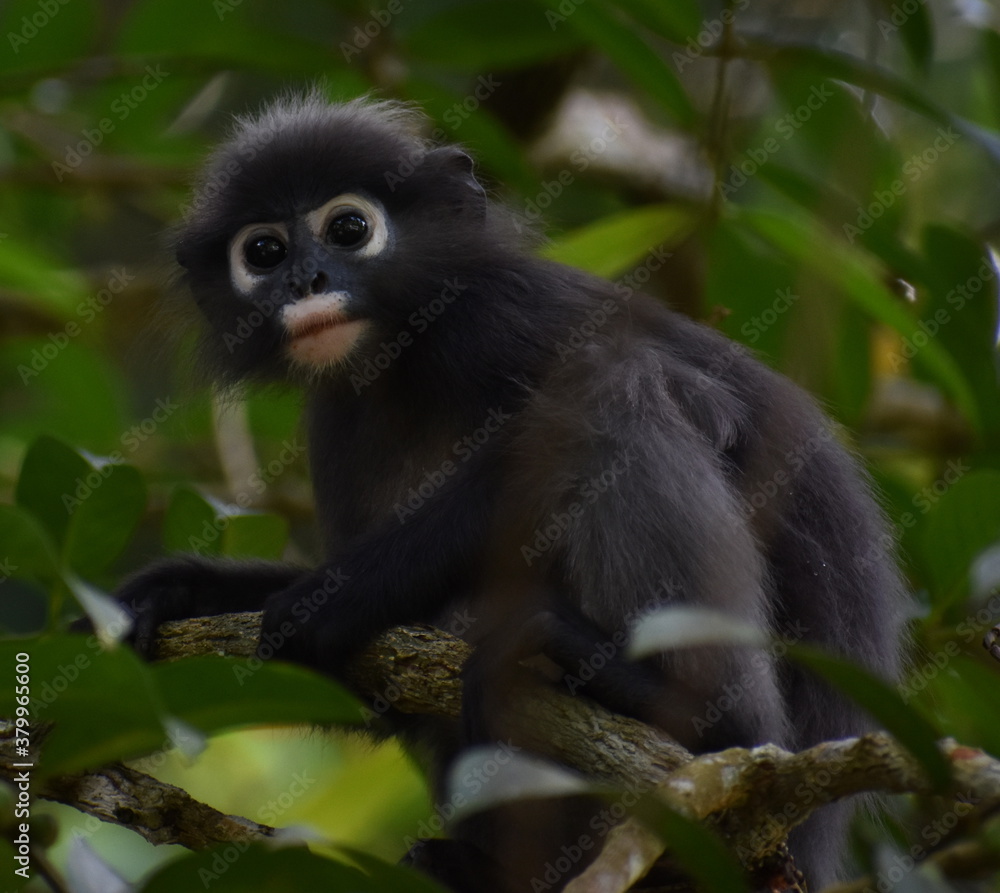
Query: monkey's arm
{"points": [[189, 586], [399, 573]]}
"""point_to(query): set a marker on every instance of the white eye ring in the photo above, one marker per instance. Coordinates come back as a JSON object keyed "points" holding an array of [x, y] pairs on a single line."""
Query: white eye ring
{"points": [[241, 274], [370, 210]]}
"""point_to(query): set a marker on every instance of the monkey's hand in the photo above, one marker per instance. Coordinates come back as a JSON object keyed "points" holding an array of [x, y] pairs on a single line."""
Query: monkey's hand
{"points": [[326, 618], [390, 576], [179, 588], [315, 622]]}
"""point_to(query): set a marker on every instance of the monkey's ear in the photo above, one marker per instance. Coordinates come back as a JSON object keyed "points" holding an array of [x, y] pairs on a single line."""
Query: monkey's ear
{"points": [[193, 251], [183, 252], [460, 168]]}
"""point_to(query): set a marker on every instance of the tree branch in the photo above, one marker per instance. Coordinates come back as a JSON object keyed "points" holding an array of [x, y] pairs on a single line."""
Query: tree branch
{"points": [[751, 797], [157, 811], [422, 669]]}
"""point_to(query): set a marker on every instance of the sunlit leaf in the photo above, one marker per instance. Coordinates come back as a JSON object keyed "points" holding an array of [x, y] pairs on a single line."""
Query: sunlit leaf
{"points": [[615, 244], [815, 195]]}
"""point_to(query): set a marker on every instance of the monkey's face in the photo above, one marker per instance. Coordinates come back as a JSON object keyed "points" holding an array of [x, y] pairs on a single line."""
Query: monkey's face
{"points": [[313, 270], [318, 231]]}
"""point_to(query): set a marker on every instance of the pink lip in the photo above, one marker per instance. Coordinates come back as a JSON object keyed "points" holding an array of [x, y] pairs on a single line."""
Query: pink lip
{"points": [[315, 323], [320, 334]]}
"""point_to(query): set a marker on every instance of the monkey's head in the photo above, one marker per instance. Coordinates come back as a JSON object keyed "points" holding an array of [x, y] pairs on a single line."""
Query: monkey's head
{"points": [[317, 230]]}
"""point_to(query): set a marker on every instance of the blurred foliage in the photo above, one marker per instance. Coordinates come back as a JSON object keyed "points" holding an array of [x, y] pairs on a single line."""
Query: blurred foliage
{"points": [[816, 179]]}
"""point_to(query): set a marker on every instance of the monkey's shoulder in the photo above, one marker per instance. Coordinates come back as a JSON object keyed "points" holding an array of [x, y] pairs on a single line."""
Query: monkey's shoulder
{"points": [[621, 357]]}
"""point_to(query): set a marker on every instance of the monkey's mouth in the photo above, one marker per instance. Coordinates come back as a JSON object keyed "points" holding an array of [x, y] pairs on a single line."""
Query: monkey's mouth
{"points": [[319, 331]]}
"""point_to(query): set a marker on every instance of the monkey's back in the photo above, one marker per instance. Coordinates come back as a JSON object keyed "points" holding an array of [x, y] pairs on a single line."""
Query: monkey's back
{"points": [[707, 478], [642, 460]]}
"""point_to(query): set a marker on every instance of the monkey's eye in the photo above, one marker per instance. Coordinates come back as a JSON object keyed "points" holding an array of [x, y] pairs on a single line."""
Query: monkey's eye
{"points": [[265, 252], [347, 230]]}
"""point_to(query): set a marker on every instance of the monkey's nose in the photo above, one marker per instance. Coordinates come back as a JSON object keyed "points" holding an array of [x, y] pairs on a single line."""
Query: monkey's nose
{"points": [[317, 286]]}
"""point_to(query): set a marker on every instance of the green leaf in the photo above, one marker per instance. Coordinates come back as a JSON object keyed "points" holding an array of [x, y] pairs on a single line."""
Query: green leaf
{"points": [[678, 21], [40, 278], [72, 675], [253, 868], [195, 523], [853, 272], [190, 524], [492, 144], [697, 850], [991, 59], [962, 692], [257, 535], [915, 28], [7, 855], [746, 275], [90, 506], [488, 36], [388, 876], [814, 194], [104, 519], [963, 519], [226, 32], [905, 723], [72, 679], [599, 23], [850, 69], [215, 693], [614, 244], [960, 313], [50, 474], [71, 392], [41, 36], [798, 320], [27, 550]]}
